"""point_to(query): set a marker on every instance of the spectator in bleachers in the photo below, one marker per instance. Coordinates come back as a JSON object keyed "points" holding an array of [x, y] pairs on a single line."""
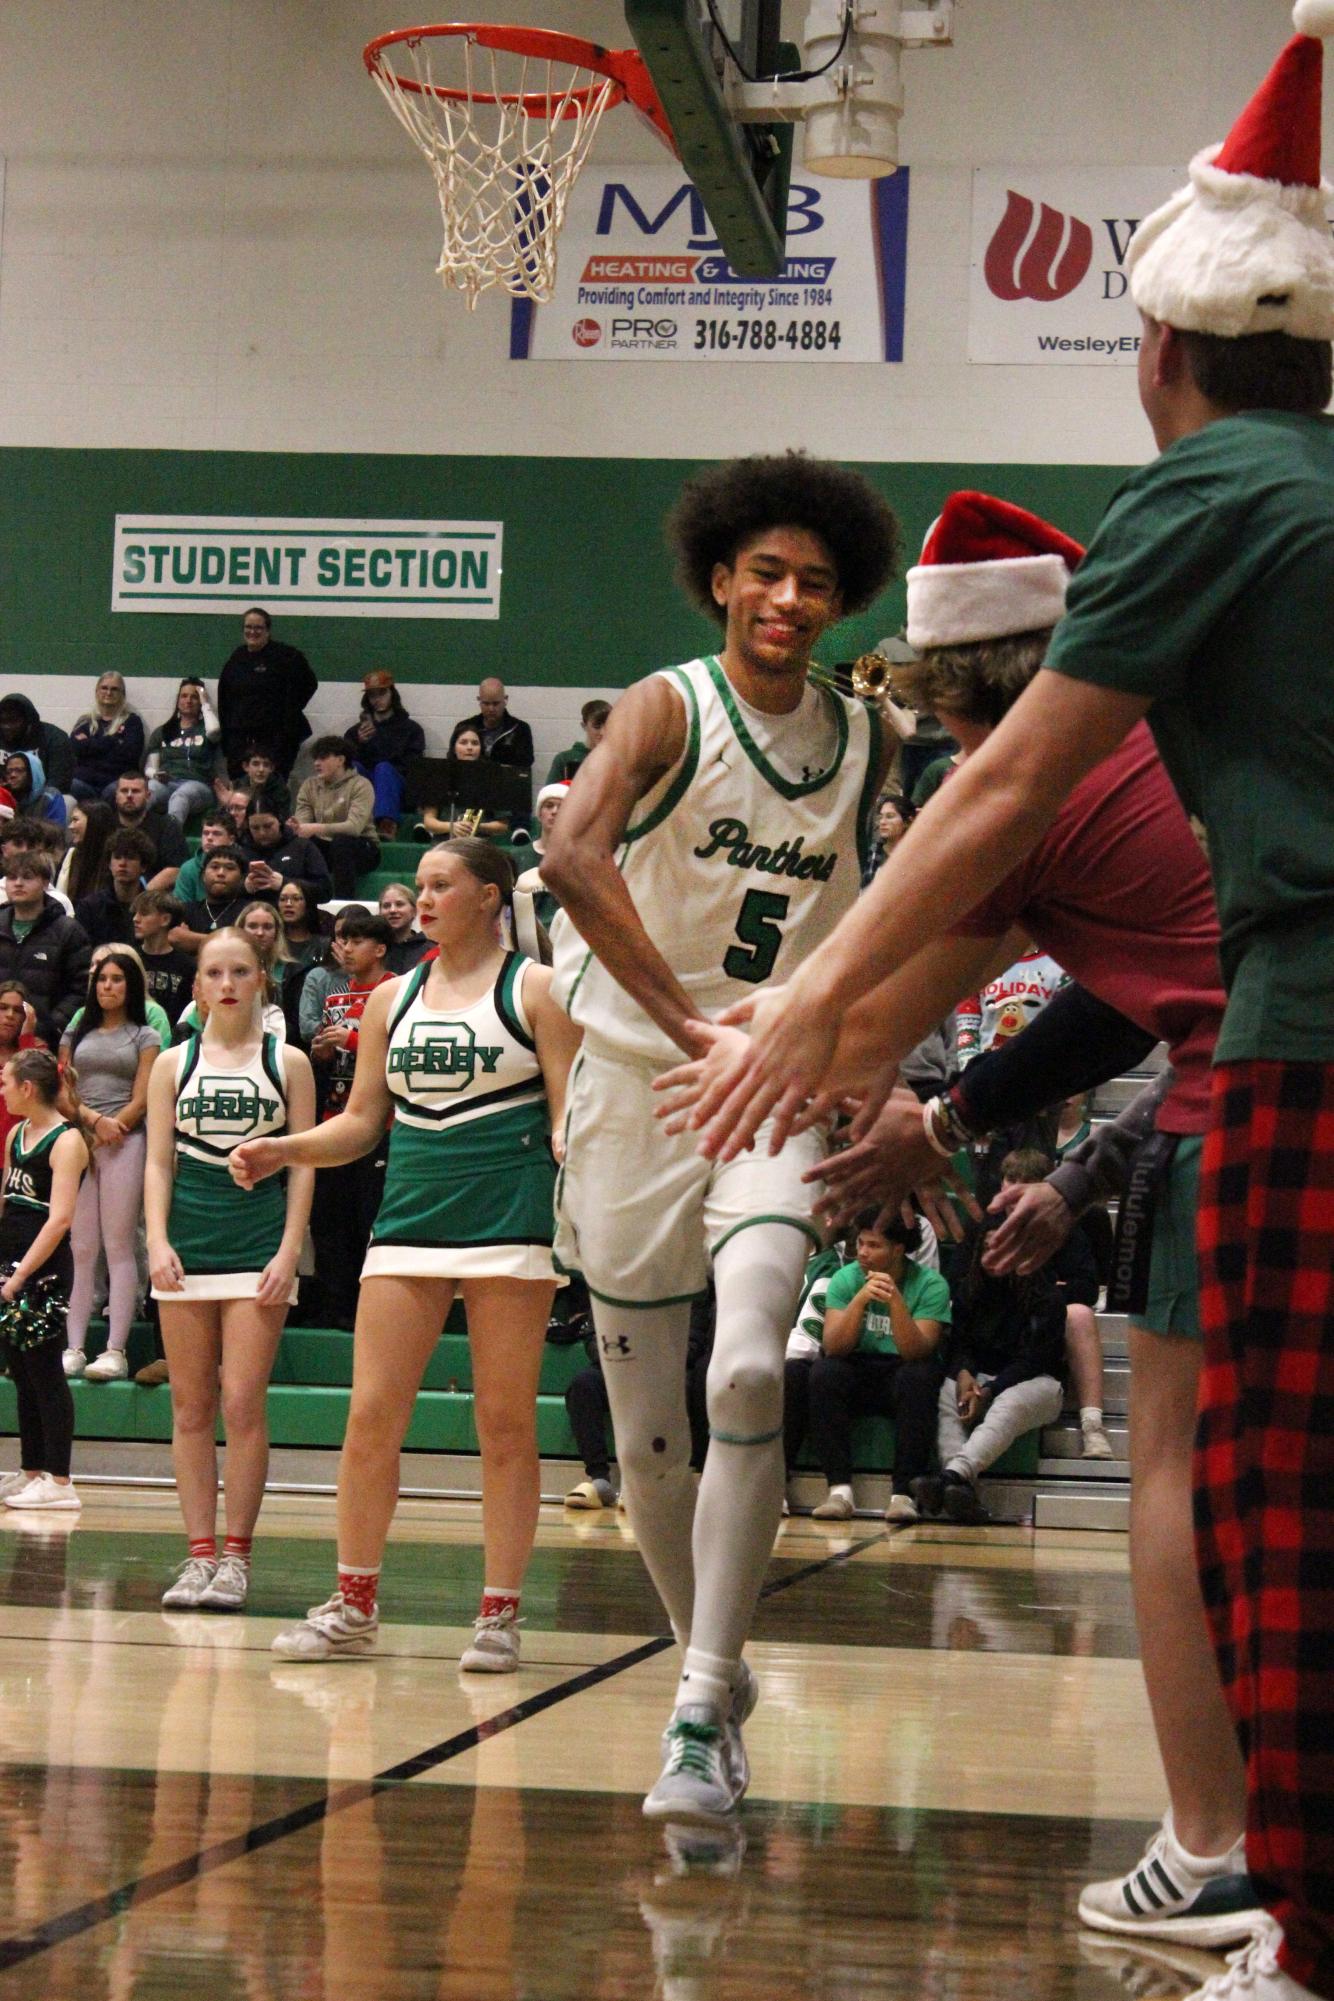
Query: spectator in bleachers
{"points": [[398, 907], [33, 798], [504, 739], [336, 809], [21, 728], [183, 761], [259, 774], [107, 740], [167, 835], [154, 1015], [549, 801], [108, 914], [274, 856], [42, 837], [381, 744], [884, 1316], [41, 946], [84, 868], [321, 976], [466, 745], [222, 901], [307, 940], [1006, 1004], [347, 1197], [934, 776], [264, 927], [593, 717], [235, 803], [263, 690], [169, 973], [217, 831], [892, 815], [112, 1048], [1005, 1359]]}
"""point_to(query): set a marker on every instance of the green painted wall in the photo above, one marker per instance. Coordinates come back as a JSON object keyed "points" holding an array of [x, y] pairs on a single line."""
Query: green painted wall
{"points": [[588, 597]]}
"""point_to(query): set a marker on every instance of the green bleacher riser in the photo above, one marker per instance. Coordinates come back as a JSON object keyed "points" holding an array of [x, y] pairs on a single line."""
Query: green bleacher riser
{"points": [[315, 1414]]}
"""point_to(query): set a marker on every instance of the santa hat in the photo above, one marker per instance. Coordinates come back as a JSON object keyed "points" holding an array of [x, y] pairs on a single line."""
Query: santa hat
{"points": [[8, 803], [1245, 249], [988, 569], [556, 790]]}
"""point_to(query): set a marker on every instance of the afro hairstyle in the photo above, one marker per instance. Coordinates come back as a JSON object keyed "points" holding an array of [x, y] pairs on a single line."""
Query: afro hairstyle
{"points": [[723, 508]]}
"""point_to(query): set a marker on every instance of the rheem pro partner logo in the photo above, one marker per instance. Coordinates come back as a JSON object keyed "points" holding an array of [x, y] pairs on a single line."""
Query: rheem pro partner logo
{"points": [[586, 333]]}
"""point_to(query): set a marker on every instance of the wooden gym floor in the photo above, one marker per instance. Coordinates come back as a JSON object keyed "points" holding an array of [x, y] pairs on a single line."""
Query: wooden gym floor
{"points": [[952, 1737]]}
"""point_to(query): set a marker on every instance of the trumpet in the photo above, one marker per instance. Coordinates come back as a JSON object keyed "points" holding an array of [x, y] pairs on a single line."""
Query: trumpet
{"points": [[466, 824], [870, 677]]}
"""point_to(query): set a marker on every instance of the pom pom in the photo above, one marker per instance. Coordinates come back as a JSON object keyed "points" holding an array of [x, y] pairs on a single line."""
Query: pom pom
{"points": [[1314, 17]]}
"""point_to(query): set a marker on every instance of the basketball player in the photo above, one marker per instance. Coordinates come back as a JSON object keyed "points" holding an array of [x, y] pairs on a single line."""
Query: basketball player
{"points": [[710, 842]]}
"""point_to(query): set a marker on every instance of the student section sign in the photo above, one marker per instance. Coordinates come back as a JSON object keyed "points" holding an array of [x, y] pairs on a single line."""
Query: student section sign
{"points": [[323, 568], [641, 277]]}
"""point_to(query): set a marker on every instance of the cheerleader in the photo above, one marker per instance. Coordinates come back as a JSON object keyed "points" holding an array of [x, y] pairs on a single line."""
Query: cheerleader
{"points": [[470, 1054], [45, 1157], [222, 1260]]}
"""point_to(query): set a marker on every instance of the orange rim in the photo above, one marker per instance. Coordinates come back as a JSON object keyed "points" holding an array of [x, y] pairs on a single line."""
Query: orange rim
{"points": [[624, 67]]}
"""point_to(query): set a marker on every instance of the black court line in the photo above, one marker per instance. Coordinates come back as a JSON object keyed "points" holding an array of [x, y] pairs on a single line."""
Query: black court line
{"points": [[143, 1889]]}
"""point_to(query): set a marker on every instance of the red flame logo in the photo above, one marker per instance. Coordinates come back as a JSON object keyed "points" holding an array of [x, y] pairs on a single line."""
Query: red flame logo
{"points": [[1045, 264]]}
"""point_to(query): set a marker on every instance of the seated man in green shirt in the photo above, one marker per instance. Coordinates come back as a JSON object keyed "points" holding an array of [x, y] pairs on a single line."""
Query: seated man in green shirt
{"points": [[593, 718], [884, 1316]]}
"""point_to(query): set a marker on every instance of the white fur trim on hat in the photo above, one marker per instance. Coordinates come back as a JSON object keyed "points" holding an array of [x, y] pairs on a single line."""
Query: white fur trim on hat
{"points": [[956, 604], [1314, 17], [556, 790], [1204, 260]]}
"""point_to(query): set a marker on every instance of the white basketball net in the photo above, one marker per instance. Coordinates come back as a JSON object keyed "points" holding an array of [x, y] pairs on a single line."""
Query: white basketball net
{"points": [[503, 172]]}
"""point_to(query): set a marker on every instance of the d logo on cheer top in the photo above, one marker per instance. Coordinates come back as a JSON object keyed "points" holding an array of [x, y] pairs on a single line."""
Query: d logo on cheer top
{"points": [[444, 1058], [1043, 264]]}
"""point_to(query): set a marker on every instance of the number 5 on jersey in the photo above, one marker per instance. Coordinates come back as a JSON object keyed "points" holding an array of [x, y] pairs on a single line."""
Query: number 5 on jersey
{"points": [[759, 927]]}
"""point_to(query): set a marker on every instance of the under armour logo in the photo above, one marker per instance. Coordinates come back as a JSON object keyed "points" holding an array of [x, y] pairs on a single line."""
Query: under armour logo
{"points": [[614, 1345]]}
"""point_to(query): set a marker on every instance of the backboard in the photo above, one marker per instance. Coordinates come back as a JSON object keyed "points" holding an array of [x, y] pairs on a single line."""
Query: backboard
{"points": [[742, 171]]}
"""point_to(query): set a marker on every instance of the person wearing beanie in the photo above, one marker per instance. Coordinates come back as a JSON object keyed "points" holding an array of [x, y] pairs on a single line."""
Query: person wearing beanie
{"points": [[381, 745], [1209, 580]]}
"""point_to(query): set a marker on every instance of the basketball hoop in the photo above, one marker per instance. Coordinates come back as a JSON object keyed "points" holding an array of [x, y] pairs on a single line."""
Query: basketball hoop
{"points": [[505, 118]]}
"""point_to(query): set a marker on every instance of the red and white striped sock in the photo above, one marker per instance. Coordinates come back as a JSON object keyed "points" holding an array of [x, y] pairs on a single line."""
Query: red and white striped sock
{"points": [[205, 1546], [495, 1600], [238, 1546], [359, 1588]]}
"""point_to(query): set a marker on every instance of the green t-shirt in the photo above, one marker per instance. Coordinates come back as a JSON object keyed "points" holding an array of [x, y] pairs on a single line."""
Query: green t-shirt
{"points": [[189, 884], [157, 1018], [925, 1294], [1208, 588]]}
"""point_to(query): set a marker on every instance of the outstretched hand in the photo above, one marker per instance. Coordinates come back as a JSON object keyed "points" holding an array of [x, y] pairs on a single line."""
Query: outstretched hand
{"points": [[689, 1090], [1037, 1222], [889, 1158], [790, 1048]]}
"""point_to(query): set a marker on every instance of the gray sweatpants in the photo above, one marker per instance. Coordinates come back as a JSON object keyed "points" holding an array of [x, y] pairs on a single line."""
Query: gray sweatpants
{"points": [[1025, 1407]]}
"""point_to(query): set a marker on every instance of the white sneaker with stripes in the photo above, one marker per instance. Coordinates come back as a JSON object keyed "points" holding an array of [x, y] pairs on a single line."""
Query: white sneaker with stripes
{"points": [[329, 1632], [1206, 1901]]}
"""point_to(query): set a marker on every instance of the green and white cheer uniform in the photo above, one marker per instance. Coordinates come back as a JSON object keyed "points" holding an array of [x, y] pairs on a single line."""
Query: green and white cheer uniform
{"points": [[468, 1192], [740, 861], [223, 1235]]}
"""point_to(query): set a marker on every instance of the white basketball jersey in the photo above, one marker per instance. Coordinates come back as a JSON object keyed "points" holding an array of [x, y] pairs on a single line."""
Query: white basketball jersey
{"points": [[742, 858]]}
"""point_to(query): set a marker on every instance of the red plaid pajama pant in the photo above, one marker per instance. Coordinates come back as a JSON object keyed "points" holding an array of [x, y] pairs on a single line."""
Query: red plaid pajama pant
{"points": [[1264, 1475]]}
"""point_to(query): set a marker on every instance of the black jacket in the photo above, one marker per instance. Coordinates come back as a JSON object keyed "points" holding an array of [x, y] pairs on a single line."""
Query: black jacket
{"points": [[52, 962], [1014, 1329], [262, 698], [397, 739], [296, 860], [513, 746], [105, 919], [51, 744]]}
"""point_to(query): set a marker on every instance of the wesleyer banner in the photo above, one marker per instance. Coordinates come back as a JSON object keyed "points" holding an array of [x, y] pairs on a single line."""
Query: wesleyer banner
{"points": [[326, 569], [1048, 282]]}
